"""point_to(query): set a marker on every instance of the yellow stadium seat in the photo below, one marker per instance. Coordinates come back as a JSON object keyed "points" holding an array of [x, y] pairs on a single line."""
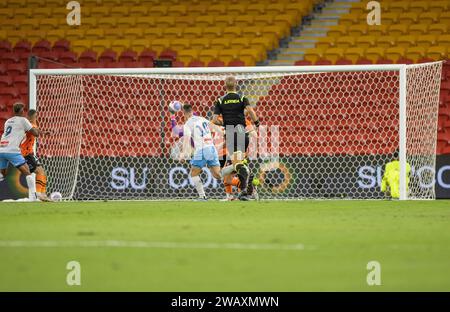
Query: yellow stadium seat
{"points": [[36, 3], [16, 3], [145, 21], [312, 55], [204, 21], [165, 21], [444, 18], [107, 22], [55, 34], [426, 40], [438, 53], [28, 24], [237, 9], [256, 9], [333, 54], [354, 54], [153, 32], [429, 17], [120, 44], [358, 30], [365, 41], [15, 35], [35, 35], [133, 33], [439, 6], [378, 30], [299, 8], [173, 32], [337, 31], [180, 44], [409, 18], [385, 42], [263, 42], [185, 21], [228, 55], [140, 44], [263, 20], [249, 56], [389, 18], [94, 34], [252, 31], [217, 9], [240, 43], [74, 34], [48, 23], [207, 55], [287, 19], [193, 32], [244, 20], [279, 31], [345, 42], [444, 40], [326, 42], [418, 29], [200, 43], [177, 10], [358, 8], [126, 22], [415, 53], [138, 11], [394, 53], [212, 32], [222, 21], [406, 41], [398, 30], [232, 32], [160, 44], [3, 34], [374, 53], [220, 43], [275, 8], [158, 10], [349, 19], [89, 22], [56, 13], [437, 29], [113, 33], [79, 46], [396, 6], [119, 11], [187, 55], [199, 9], [100, 11], [22, 13], [100, 45], [418, 6]]}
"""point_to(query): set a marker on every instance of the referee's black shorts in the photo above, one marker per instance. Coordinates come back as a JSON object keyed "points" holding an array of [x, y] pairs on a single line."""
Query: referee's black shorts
{"points": [[236, 139], [33, 162]]}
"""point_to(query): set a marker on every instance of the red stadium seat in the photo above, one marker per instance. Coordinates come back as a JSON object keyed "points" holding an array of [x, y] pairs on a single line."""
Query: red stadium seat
{"points": [[42, 46], [236, 63], [17, 69], [3, 70], [88, 56], [147, 55], [343, 62], [68, 57], [22, 46], [323, 62], [5, 46], [50, 55], [177, 64], [108, 56], [216, 63], [127, 56], [384, 61], [363, 61], [20, 81], [5, 81], [61, 46], [302, 63], [196, 63], [168, 54], [9, 57], [403, 60]]}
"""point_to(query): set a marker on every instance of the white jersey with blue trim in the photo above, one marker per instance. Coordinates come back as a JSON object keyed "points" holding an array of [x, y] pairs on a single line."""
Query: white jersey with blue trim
{"points": [[197, 128], [13, 134]]}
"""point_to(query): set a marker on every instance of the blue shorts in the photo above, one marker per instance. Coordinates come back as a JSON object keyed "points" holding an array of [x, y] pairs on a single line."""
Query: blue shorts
{"points": [[206, 157], [16, 159]]}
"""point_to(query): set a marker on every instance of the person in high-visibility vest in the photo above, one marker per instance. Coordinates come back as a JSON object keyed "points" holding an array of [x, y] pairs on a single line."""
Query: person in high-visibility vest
{"points": [[391, 178]]}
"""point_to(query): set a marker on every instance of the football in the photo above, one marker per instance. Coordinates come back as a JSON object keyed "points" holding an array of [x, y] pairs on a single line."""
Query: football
{"points": [[56, 196], [175, 106]]}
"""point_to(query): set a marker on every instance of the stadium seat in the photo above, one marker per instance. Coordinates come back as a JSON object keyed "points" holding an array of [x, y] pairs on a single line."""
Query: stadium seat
{"points": [[378, 30], [106, 22], [418, 29], [61, 46], [196, 63], [200, 43], [324, 62], [94, 34], [390, 18], [343, 62], [177, 10], [373, 54], [177, 64], [217, 9], [241, 43], [326, 42], [264, 42], [365, 41], [108, 56], [232, 32], [132, 33], [406, 41], [120, 45], [153, 33], [173, 32], [5, 46], [147, 56], [55, 34], [168, 54], [237, 9], [345, 42], [193, 32], [5, 81], [396, 6], [437, 29], [68, 57], [398, 30], [20, 81], [22, 46], [395, 53], [263, 20], [418, 6], [180, 44], [220, 43], [119, 11], [312, 55], [337, 31], [256, 9], [9, 57], [140, 44], [74, 34], [88, 56], [165, 21], [160, 44], [244, 20], [100, 45], [437, 53], [251, 32], [158, 10], [207, 55], [415, 53], [140, 10], [426, 40], [408, 18], [385, 41], [204, 21], [358, 30], [216, 63], [235, 63], [212, 32], [228, 55], [333, 54], [99, 11], [128, 56], [145, 22], [187, 56], [429, 17], [197, 10]]}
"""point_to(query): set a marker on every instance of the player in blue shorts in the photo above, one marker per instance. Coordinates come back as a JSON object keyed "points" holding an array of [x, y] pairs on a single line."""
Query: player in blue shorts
{"points": [[197, 129]]}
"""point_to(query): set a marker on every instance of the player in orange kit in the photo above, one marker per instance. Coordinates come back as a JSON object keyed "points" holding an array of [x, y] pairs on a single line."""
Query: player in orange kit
{"points": [[27, 150]]}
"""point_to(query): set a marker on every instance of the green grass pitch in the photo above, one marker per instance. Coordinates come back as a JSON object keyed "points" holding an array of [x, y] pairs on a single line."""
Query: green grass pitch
{"points": [[226, 246]]}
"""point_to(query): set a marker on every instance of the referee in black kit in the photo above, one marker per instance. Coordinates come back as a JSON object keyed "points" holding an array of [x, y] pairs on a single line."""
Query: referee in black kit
{"points": [[233, 106]]}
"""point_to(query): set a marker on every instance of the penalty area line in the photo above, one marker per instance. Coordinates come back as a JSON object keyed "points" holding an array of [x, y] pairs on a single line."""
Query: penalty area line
{"points": [[147, 244]]}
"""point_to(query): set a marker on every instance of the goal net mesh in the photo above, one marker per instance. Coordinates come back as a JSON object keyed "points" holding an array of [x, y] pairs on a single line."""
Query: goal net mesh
{"points": [[322, 134]]}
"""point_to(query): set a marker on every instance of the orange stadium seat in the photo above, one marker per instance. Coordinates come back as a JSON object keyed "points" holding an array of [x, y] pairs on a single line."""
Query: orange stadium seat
{"points": [[99, 11], [241, 43], [396, 6], [153, 32], [90, 22], [358, 30], [418, 29], [187, 55], [207, 55], [333, 54], [253, 31], [81, 45], [428, 17], [140, 44], [126, 22], [217, 9], [256, 9], [120, 45], [389, 18], [406, 41], [133, 33]]}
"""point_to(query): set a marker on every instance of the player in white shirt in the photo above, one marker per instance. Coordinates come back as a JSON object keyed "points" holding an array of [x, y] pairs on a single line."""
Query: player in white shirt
{"points": [[197, 129], [13, 134]]}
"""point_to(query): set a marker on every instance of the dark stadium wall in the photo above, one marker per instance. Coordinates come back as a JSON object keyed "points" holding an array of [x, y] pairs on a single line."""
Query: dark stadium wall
{"points": [[146, 179]]}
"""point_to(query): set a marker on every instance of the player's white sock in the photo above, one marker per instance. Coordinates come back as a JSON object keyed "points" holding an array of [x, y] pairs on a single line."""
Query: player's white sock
{"points": [[31, 183], [227, 170], [199, 186], [1, 177]]}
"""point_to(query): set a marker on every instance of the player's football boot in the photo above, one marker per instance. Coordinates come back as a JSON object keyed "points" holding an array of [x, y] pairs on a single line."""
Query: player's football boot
{"points": [[243, 196], [43, 197], [201, 199]]}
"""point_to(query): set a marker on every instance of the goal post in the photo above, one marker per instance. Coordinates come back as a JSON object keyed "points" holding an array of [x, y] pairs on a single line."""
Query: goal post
{"points": [[326, 131]]}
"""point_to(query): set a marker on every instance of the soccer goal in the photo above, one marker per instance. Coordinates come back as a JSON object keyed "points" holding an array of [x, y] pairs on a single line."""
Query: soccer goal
{"points": [[326, 131]]}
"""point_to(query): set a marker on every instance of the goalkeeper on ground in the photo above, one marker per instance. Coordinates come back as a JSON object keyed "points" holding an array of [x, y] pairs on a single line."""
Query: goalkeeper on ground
{"points": [[391, 178]]}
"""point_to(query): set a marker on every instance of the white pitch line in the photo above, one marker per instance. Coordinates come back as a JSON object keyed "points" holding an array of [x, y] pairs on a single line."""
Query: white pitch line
{"points": [[147, 244]]}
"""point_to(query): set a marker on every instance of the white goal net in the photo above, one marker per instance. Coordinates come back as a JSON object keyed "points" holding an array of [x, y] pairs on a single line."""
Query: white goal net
{"points": [[326, 131]]}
